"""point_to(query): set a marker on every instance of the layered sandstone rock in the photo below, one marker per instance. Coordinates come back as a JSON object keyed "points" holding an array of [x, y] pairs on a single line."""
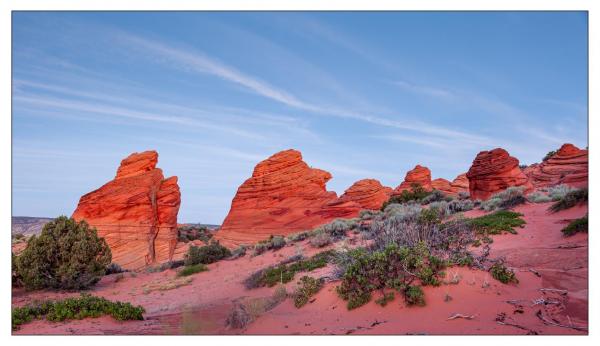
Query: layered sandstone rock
{"points": [[443, 185], [418, 175], [284, 195], [494, 171], [367, 193], [136, 212], [568, 166], [460, 183]]}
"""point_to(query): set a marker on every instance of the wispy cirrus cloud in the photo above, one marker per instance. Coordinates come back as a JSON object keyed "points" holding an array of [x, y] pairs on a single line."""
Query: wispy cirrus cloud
{"points": [[201, 63], [424, 89]]}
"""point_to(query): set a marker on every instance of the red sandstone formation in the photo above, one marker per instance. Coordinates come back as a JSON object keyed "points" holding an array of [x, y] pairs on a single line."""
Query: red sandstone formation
{"points": [[419, 175], [136, 212], [568, 166], [443, 185], [460, 183], [368, 193], [283, 196], [494, 171]]}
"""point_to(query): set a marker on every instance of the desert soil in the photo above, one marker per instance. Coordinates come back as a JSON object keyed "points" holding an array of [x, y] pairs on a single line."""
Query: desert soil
{"points": [[541, 257]]}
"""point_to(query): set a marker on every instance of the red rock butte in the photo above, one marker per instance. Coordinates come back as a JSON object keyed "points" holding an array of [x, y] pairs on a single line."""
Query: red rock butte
{"points": [[418, 175], [136, 213], [284, 195], [568, 166], [368, 193], [460, 183], [494, 171]]}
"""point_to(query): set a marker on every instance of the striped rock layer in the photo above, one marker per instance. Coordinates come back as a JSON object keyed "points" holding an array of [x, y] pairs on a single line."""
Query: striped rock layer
{"points": [[136, 213], [568, 166], [494, 171], [284, 195]]}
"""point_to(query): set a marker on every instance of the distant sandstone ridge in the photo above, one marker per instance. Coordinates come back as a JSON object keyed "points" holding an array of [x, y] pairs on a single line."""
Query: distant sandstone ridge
{"points": [[137, 211]]}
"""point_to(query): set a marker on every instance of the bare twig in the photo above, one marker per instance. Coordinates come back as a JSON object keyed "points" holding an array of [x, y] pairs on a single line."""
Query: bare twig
{"points": [[563, 292], [466, 317], [535, 272]]}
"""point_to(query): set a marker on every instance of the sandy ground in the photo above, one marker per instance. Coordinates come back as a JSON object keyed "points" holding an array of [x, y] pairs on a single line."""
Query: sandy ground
{"points": [[539, 254]]}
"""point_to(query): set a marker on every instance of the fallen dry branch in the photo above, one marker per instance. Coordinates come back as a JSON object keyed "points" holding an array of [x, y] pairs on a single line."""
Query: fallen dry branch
{"points": [[563, 292], [545, 301], [455, 316], [540, 315], [535, 272]]}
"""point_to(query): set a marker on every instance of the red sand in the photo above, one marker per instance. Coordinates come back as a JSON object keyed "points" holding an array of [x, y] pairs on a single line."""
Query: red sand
{"points": [[202, 306]]}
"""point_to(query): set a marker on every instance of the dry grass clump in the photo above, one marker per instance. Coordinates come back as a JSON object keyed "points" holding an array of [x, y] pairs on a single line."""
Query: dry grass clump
{"points": [[165, 285], [246, 310]]}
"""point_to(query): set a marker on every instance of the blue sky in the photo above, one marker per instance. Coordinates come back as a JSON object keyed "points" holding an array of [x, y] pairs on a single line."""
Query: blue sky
{"points": [[361, 95]]}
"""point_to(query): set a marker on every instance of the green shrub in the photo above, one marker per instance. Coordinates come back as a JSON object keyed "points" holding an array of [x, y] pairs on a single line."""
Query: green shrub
{"points": [[394, 267], [463, 259], [320, 239], [188, 233], [459, 205], [503, 274], [192, 269], [576, 226], [367, 214], [435, 196], [238, 252], [414, 296], [75, 308], [307, 288], [570, 200], [385, 298], [549, 155], [497, 222], [295, 237], [274, 242], [558, 192], [538, 197], [506, 199], [284, 272], [210, 253], [66, 255], [416, 193]]}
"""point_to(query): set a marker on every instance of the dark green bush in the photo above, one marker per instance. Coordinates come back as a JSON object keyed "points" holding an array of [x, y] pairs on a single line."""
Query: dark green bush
{"points": [[570, 200], [576, 226], [394, 267], [75, 308], [193, 269], [549, 155], [285, 272], [188, 233], [503, 274], [385, 298], [414, 296], [307, 288], [497, 222], [417, 193], [210, 253], [66, 255]]}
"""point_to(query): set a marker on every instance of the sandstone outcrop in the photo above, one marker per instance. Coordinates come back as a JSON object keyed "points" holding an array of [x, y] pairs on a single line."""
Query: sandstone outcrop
{"points": [[136, 213], [418, 175], [568, 166], [367, 193], [460, 183], [494, 171], [443, 185], [284, 195]]}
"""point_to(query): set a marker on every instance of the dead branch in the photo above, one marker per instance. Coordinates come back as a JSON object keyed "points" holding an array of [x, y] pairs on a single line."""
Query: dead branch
{"points": [[466, 317], [562, 292]]}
